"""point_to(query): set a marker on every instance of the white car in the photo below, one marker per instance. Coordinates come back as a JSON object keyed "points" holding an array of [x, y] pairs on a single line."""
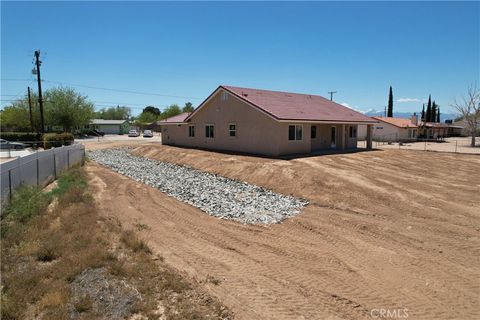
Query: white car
{"points": [[147, 134], [133, 133]]}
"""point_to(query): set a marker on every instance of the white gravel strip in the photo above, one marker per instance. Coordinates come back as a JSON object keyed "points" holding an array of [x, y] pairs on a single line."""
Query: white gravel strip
{"points": [[218, 196]]}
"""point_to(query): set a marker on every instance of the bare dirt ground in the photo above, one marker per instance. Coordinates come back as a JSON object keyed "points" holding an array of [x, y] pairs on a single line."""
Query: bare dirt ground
{"points": [[385, 229], [454, 144]]}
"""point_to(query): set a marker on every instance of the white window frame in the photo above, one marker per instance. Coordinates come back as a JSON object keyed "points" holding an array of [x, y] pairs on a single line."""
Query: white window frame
{"points": [[190, 135], [230, 130], [295, 135], [210, 125]]}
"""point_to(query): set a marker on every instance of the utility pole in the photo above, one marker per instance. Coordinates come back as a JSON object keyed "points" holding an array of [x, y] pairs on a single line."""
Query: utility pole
{"points": [[331, 93], [40, 98], [30, 108]]}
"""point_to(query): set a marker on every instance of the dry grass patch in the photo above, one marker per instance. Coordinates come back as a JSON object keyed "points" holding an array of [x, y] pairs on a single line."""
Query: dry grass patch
{"points": [[60, 259]]}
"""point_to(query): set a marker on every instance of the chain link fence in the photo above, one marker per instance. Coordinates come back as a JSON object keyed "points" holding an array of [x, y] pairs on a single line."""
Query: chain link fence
{"points": [[454, 144]]}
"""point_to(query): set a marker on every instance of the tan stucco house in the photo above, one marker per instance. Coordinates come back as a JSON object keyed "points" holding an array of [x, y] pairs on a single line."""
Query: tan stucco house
{"points": [[266, 122], [395, 129]]}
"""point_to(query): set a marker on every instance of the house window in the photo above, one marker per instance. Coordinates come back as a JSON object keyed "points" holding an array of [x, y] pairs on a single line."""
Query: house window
{"points": [[353, 132], [295, 132], [191, 131], [313, 132], [224, 96], [232, 130], [209, 131]]}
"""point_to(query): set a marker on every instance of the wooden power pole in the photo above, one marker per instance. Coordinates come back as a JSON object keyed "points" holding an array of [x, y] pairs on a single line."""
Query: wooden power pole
{"points": [[40, 98], [30, 108], [331, 94]]}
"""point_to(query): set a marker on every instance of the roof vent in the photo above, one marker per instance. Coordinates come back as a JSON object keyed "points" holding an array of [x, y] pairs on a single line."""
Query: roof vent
{"points": [[244, 94]]}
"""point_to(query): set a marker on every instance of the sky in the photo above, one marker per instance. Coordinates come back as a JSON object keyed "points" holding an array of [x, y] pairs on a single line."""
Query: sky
{"points": [[179, 52]]}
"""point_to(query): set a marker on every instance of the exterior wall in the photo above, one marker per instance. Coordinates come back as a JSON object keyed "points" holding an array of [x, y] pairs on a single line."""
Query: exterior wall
{"points": [[113, 128], [255, 131], [323, 139], [383, 131]]}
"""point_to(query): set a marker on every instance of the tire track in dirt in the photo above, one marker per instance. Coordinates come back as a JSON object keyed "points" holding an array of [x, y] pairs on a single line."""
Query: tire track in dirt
{"points": [[371, 252]]}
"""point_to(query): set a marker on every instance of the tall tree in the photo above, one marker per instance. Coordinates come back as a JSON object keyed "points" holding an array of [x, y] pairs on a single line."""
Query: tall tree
{"points": [[114, 113], [14, 117], [390, 103], [67, 108], [423, 113], [188, 107], [469, 109], [434, 112], [153, 110], [428, 115], [438, 114], [171, 111]]}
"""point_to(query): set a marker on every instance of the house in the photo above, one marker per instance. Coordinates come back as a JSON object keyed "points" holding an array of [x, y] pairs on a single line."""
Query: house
{"points": [[266, 122], [393, 129], [433, 130], [110, 126]]}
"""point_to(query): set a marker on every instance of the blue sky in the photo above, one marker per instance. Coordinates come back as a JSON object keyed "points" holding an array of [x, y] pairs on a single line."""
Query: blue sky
{"points": [[185, 50]]}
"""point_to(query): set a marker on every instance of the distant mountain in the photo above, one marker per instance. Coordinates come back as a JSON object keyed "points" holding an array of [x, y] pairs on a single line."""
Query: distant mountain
{"points": [[407, 115]]}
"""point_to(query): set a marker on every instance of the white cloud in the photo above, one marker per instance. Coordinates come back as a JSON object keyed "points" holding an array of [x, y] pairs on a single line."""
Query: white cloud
{"points": [[402, 100], [352, 107]]}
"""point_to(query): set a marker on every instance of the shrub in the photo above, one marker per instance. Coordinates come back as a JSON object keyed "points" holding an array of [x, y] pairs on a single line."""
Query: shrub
{"points": [[28, 137], [57, 139], [26, 203]]}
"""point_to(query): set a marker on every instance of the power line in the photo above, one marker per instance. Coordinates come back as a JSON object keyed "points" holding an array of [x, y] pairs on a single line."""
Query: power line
{"points": [[121, 90]]}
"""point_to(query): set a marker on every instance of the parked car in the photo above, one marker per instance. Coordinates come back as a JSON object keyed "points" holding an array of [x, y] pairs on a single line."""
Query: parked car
{"points": [[133, 133], [147, 134], [4, 144]]}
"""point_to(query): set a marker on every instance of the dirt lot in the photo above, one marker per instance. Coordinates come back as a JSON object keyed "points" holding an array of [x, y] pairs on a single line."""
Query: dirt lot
{"points": [[454, 144], [386, 229]]}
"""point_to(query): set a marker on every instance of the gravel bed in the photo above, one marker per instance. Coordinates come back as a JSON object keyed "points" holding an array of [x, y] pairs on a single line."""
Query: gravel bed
{"points": [[216, 195]]}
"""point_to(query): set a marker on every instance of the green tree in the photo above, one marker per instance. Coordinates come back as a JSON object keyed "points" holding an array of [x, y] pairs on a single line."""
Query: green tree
{"points": [[114, 113], [152, 110], [390, 103], [16, 117], [171, 111], [423, 113], [67, 108], [428, 115], [146, 117], [434, 112], [438, 114], [188, 107]]}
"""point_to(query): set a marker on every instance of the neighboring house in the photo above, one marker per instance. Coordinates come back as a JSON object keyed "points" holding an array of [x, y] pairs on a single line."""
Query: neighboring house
{"points": [[433, 130], [461, 128], [395, 129], [110, 126], [265, 122]]}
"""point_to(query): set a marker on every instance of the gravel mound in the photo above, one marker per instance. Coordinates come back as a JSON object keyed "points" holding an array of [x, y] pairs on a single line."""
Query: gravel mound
{"points": [[218, 196]]}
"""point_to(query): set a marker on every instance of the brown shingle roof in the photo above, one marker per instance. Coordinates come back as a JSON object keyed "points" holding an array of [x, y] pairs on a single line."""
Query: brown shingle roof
{"points": [[175, 119], [296, 106], [397, 122]]}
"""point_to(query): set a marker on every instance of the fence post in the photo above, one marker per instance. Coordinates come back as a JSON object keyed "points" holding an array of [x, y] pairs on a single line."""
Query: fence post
{"points": [[68, 158], [425, 146], [456, 141], [54, 164], [38, 173], [10, 184]]}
